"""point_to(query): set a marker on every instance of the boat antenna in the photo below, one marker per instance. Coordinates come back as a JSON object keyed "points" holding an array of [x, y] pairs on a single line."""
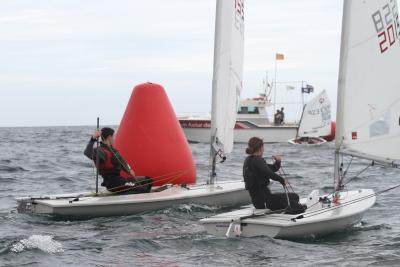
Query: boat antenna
{"points": [[97, 158]]}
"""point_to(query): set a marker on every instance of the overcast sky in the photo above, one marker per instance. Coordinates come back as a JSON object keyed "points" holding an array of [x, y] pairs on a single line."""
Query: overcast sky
{"points": [[67, 62]]}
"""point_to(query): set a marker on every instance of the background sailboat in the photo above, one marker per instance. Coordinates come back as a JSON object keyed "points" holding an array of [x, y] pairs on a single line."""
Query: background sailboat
{"points": [[368, 126], [315, 121]]}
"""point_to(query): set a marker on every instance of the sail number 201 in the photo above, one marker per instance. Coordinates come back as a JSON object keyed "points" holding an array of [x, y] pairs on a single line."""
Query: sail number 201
{"points": [[386, 21]]}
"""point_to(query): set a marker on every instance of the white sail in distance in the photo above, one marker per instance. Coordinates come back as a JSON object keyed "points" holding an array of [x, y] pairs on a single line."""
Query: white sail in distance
{"points": [[228, 71], [368, 115], [316, 118]]}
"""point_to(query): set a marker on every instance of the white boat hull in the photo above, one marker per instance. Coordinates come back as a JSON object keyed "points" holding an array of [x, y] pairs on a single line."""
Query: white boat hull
{"points": [[270, 134], [319, 220], [228, 193]]}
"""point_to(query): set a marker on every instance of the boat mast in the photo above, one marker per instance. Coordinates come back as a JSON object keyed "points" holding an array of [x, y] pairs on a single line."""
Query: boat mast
{"points": [[338, 177], [217, 41], [275, 87], [302, 95], [266, 85], [227, 78], [97, 157]]}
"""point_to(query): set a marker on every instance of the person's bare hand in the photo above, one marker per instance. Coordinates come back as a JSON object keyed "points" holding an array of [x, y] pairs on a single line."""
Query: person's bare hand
{"points": [[277, 157], [97, 134]]}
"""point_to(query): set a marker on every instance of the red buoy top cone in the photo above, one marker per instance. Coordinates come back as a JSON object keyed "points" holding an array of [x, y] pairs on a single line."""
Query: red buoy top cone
{"points": [[151, 139]]}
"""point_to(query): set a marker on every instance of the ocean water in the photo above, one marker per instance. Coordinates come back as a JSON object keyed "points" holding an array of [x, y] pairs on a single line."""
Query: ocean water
{"points": [[47, 160]]}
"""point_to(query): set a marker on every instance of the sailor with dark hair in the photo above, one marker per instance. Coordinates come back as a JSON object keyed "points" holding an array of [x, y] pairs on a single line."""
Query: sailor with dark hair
{"points": [[277, 117], [282, 116], [256, 174], [111, 163]]}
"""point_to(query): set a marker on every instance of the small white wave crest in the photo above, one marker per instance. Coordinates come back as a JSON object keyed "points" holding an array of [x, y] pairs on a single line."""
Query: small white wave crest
{"points": [[42, 242], [195, 207]]}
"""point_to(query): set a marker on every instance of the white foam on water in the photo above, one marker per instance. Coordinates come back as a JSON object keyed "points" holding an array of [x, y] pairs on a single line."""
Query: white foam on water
{"points": [[42, 242]]}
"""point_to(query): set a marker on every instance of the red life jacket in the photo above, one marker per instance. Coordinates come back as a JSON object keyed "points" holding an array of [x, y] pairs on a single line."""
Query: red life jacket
{"points": [[107, 166]]}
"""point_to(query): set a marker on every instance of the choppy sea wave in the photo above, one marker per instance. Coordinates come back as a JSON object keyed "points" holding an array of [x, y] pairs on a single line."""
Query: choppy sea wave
{"points": [[43, 161], [44, 243]]}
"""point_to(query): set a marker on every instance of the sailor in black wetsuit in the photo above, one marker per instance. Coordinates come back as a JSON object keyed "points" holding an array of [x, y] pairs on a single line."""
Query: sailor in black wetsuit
{"points": [[111, 163], [282, 116], [257, 172]]}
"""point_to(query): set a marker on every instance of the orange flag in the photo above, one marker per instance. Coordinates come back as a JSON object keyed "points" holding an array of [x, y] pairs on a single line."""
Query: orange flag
{"points": [[279, 56]]}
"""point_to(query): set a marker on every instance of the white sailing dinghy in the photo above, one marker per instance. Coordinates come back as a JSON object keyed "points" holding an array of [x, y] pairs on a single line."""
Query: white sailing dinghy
{"points": [[227, 84], [368, 126], [315, 121]]}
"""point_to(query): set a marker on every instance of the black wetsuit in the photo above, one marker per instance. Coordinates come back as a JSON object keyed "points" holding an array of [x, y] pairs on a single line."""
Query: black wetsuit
{"points": [[256, 174], [112, 178]]}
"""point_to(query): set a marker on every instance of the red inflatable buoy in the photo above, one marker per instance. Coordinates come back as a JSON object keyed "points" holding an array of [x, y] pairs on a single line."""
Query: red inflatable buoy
{"points": [[151, 139], [332, 134]]}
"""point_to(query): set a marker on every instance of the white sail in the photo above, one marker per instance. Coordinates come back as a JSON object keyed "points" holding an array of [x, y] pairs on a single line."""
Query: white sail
{"points": [[368, 116], [316, 118], [228, 71]]}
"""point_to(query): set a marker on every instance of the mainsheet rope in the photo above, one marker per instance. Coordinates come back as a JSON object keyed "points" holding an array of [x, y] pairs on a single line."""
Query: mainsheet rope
{"points": [[347, 203], [167, 178], [312, 213], [317, 212], [138, 184]]}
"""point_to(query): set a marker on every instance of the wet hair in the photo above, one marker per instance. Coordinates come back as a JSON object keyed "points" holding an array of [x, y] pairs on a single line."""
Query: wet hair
{"points": [[106, 132], [254, 145]]}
